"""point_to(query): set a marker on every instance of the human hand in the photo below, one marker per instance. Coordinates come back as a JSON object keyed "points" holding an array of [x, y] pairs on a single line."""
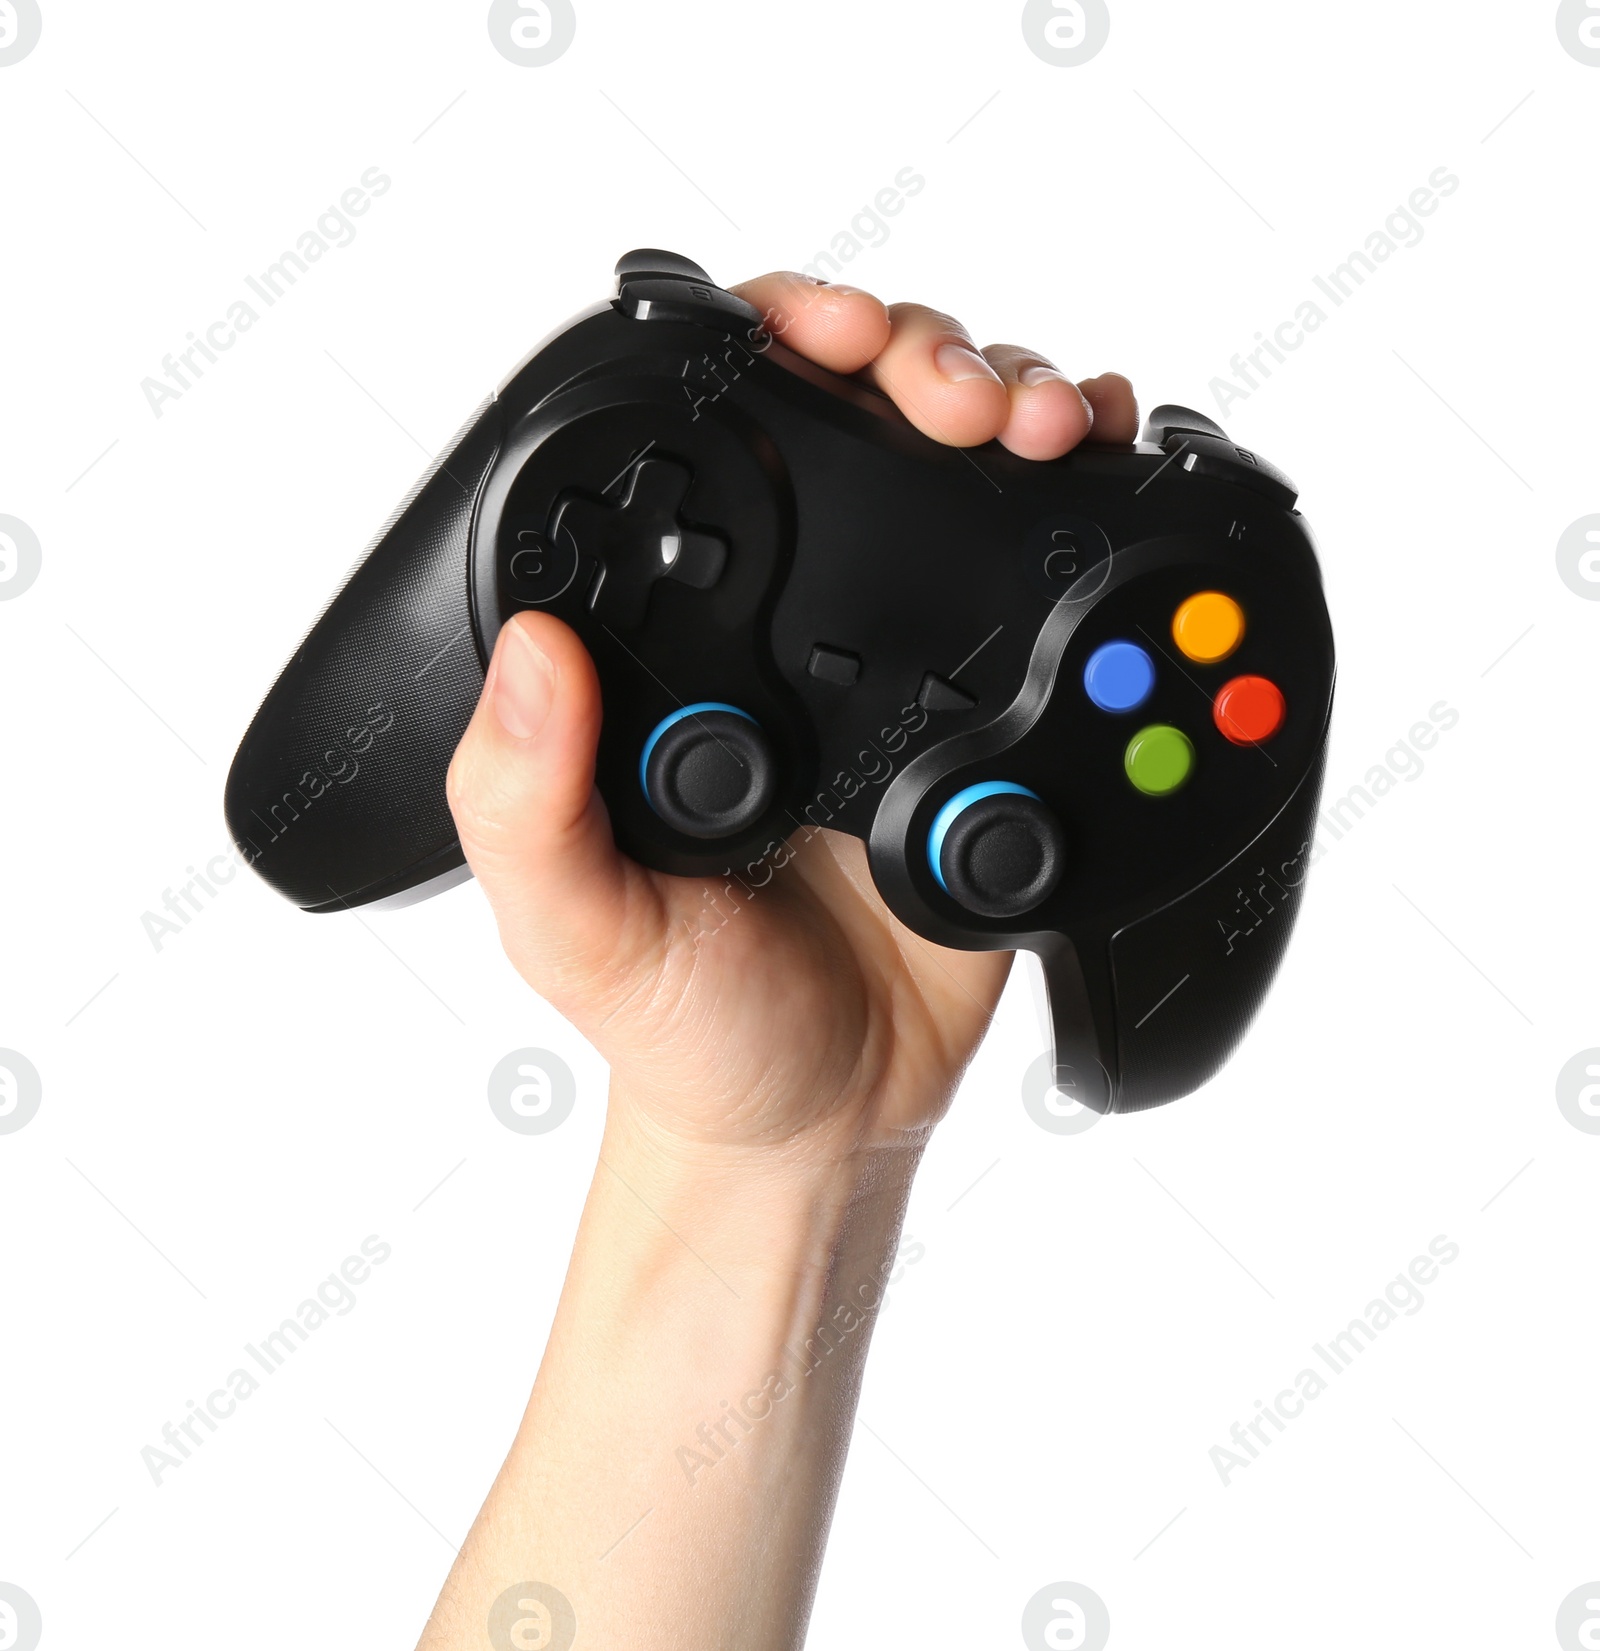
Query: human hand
{"points": [[806, 1020], [775, 1071]]}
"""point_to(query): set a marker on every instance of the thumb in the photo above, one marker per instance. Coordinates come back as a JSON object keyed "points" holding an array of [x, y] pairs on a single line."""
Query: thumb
{"points": [[532, 825]]}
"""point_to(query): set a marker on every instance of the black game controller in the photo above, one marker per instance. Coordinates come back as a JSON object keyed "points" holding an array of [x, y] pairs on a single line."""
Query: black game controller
{"points": [[1077, 706]]}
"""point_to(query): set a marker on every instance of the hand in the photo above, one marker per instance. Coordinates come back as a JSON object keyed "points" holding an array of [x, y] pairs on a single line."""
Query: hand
{"points": [[777, 1063], [806, 1019]]}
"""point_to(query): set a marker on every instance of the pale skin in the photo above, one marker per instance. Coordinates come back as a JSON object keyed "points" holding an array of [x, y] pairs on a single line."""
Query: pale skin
{"points": [[773, 1085]]}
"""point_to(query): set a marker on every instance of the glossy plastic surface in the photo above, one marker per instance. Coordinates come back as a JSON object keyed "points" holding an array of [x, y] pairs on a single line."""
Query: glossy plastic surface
{"points": [[722, 522]]}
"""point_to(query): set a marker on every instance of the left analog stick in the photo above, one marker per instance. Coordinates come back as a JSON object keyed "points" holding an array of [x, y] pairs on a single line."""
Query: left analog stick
{"points": [[709, 770]]}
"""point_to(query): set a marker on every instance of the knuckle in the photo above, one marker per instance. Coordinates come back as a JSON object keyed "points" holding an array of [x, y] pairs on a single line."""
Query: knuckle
{"points": [[458, 786], [923, 315], [475, 807], [948, 323]]}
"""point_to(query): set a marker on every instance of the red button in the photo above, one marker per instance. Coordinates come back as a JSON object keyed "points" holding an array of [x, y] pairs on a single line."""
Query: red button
{"points": [[1249, 710]]}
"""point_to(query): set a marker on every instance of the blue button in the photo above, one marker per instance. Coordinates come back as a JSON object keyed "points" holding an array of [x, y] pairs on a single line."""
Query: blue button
{"points": [[1119, 676]]}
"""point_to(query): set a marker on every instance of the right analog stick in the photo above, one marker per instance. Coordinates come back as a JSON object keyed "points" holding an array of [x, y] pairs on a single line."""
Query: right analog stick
{"points": [[997, 849], [709, 771]]}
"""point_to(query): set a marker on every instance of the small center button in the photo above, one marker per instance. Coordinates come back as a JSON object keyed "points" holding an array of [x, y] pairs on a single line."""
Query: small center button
{"points": [[834, 665]]}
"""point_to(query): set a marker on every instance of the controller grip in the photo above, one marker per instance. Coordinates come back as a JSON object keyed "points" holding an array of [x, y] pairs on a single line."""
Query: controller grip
{"points": [[336, 795], [1190, 978], [1168, 1000]]}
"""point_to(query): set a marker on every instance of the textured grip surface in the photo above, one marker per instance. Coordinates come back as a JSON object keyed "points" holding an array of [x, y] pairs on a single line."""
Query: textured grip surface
{"points": [[1190, 978], [336, 795]]}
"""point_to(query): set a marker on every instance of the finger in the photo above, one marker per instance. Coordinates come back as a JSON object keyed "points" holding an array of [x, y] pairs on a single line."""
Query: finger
{"points": [[955, 991], [935, 375], [961, 987], [1116, 412], [573, 913], [840, 328], [1049, 416]]}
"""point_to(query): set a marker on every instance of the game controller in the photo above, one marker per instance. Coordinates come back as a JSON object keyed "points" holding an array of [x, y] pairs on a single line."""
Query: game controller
{"points": [[1077, 706]]}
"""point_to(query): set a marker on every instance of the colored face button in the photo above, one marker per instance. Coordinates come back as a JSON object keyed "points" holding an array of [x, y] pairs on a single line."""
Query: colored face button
{"points": [[1208, 627], [1119, 676], [1249, 709], [1158, 759]]}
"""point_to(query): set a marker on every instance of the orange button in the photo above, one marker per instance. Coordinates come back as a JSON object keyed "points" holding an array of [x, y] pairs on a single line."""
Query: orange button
{"points": [[1249, 710], [1208, 627]]}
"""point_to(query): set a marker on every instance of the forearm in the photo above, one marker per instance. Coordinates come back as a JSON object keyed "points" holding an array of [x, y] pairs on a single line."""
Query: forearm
{"points": [[676, 1469]]}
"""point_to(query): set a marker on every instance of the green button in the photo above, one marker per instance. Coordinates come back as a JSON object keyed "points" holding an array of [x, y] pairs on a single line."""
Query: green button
{"points": [[1158, 759]]}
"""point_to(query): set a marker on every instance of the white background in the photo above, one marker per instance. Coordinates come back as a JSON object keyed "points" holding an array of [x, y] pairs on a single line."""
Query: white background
{"points": [[230, 1116]]}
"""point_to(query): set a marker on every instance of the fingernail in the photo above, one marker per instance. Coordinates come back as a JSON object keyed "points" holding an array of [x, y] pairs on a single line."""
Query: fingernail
{"points": [[849, 292], [958, 364], [523, 684], [1039, 375]]}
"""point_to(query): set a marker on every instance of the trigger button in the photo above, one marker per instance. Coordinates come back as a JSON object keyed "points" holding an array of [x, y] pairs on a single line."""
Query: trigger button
{"points": [[1164, 420], [653, 261]]}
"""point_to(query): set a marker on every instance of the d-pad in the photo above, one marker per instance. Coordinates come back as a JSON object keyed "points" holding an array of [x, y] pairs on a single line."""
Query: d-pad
{"points": [[633, 544]]}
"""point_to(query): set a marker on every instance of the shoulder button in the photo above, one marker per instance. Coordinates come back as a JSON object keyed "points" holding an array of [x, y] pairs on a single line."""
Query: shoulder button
{"points": [[1217, 456], [660, 286], [650, 299]]}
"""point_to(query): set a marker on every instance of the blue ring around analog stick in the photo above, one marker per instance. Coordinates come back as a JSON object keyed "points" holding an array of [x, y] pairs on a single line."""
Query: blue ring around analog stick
{"points": [[667, 722], [958, 804], [1120, 676]]}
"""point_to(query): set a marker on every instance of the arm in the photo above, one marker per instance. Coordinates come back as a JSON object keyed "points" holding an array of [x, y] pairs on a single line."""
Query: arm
{"points": [[774, 1082], [676, 1469]]}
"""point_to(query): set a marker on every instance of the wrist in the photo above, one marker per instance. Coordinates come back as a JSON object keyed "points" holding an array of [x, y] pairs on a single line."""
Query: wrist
{"points": [[815, 1182], [775, 1233]]}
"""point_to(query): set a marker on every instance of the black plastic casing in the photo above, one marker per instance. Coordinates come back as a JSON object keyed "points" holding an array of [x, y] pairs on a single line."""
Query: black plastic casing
{"points": [[903, 619]]}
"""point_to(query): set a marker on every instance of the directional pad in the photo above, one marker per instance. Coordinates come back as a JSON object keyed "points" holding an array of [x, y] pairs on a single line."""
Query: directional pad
{"points": [[627, 547]]}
